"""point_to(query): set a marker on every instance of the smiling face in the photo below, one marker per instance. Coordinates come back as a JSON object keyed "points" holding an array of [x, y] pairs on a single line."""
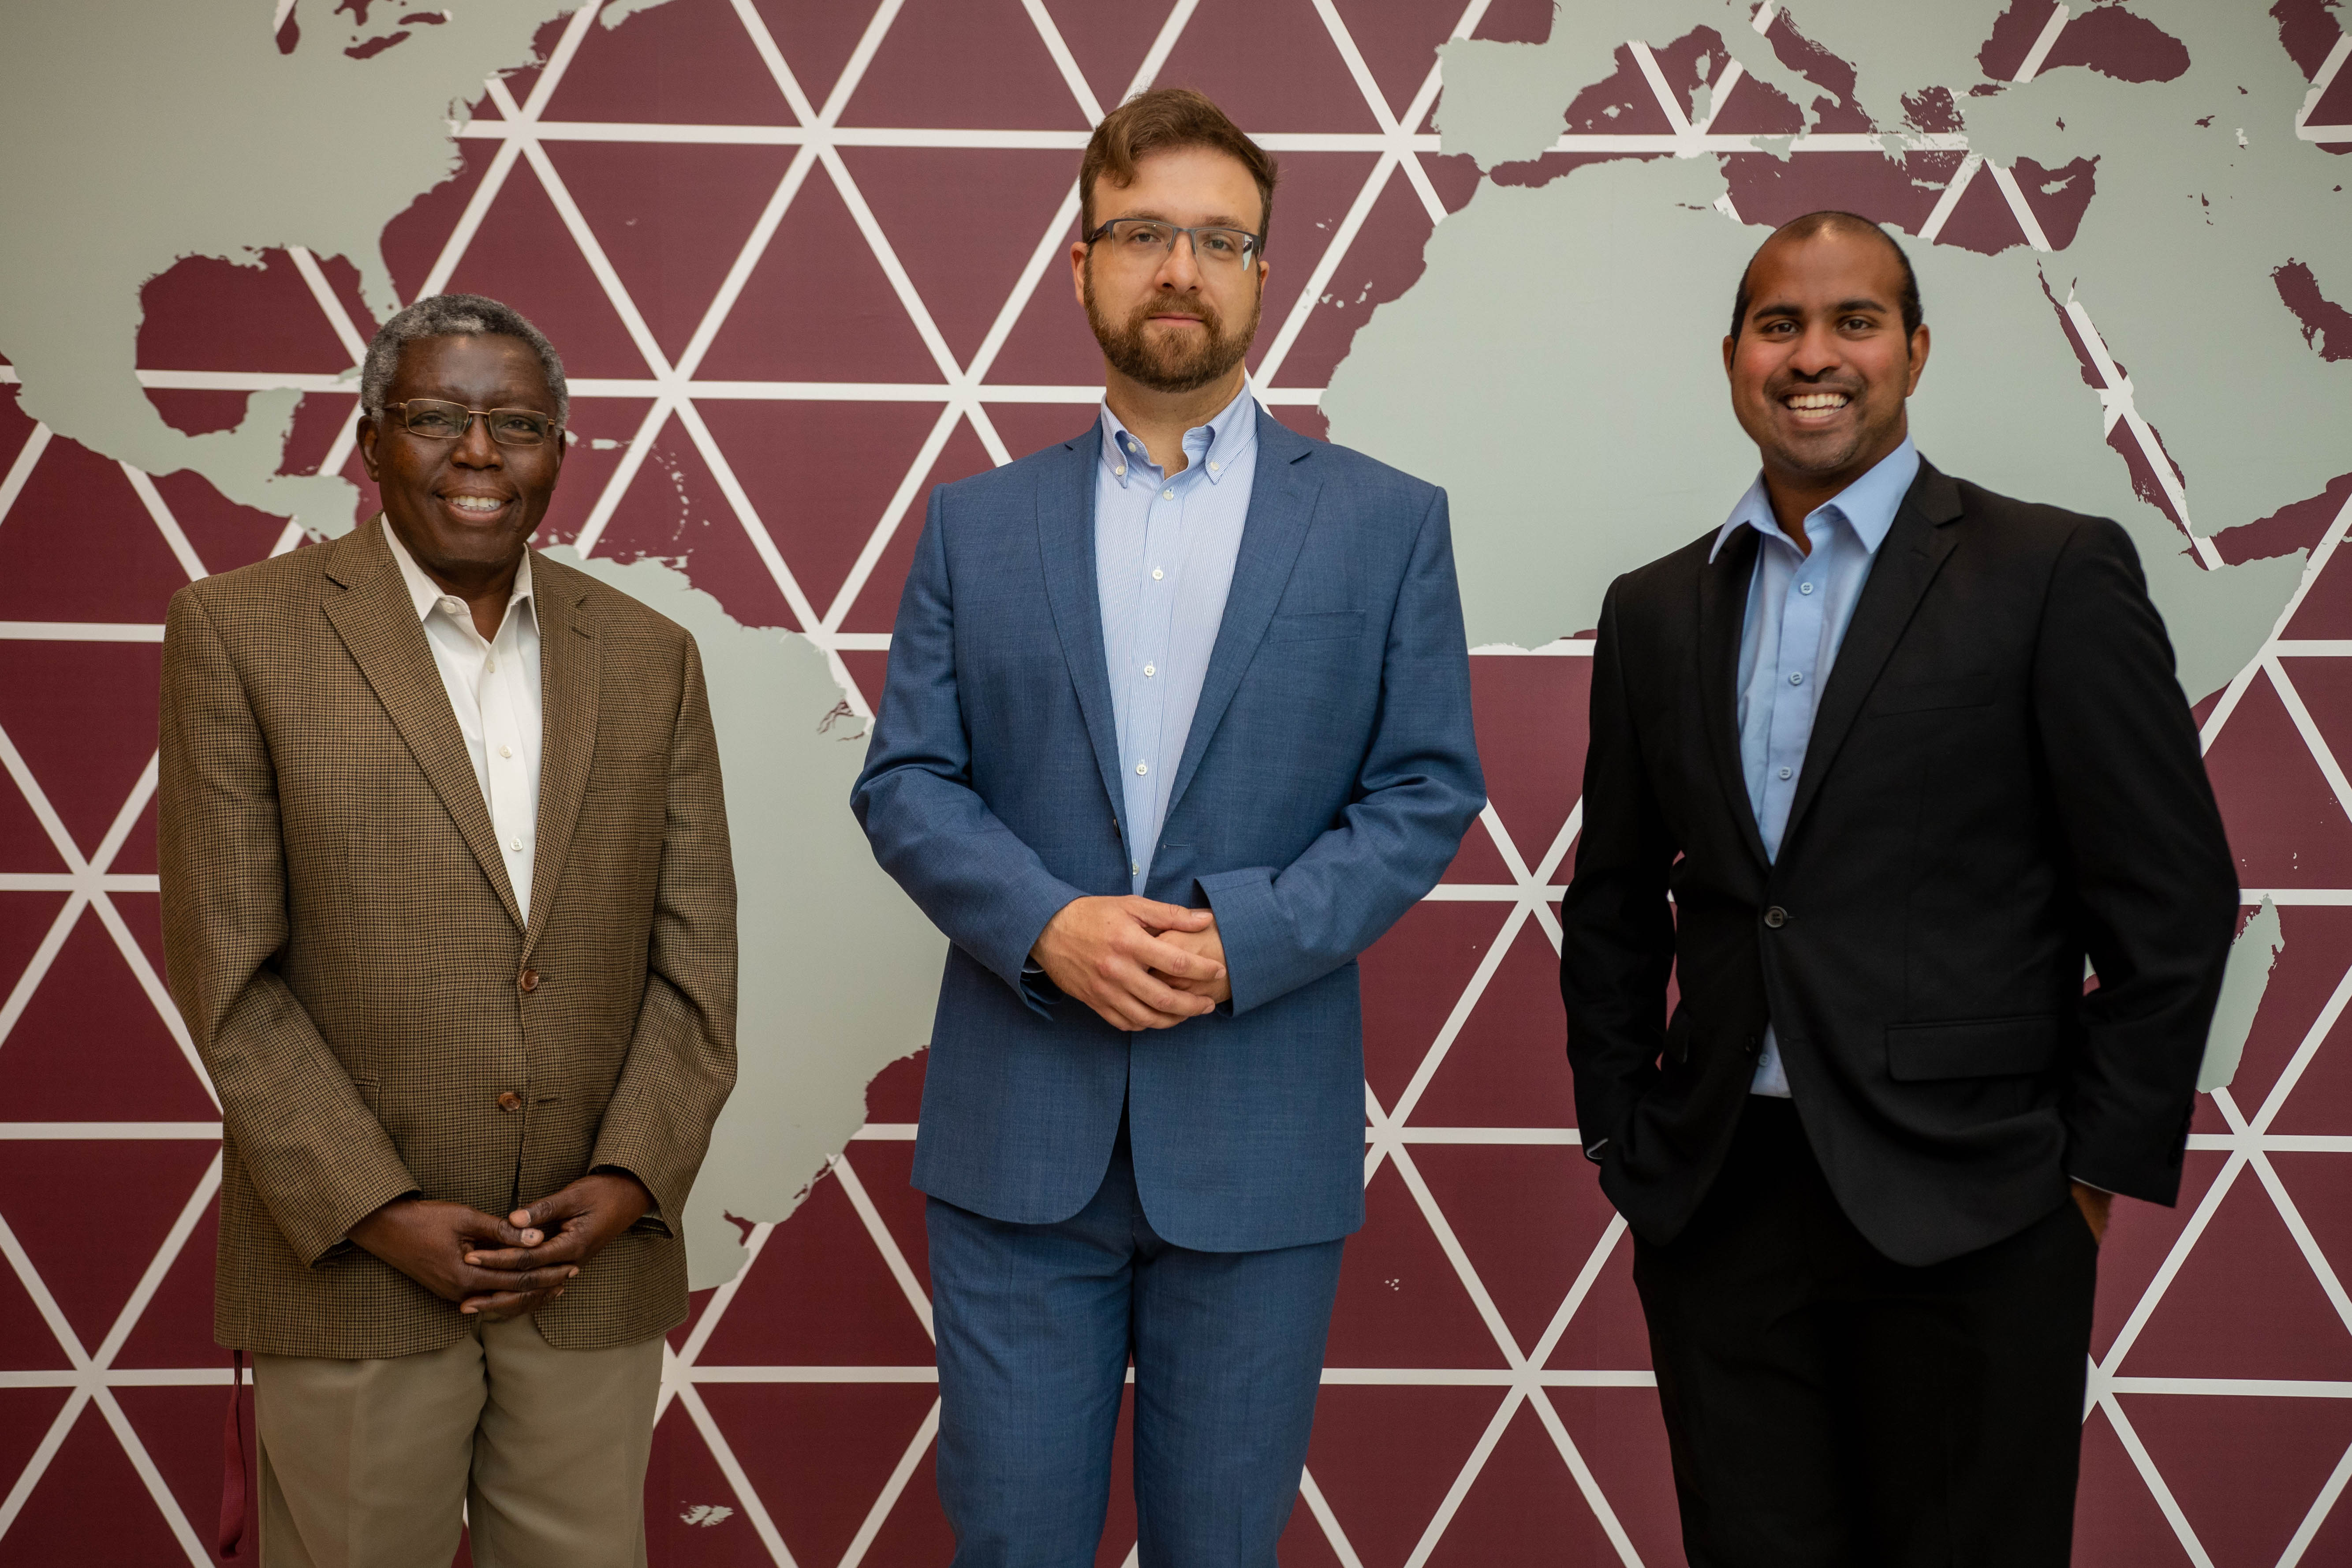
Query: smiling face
{"points": [[1821, 365], [1166, 320], [464, 509]]}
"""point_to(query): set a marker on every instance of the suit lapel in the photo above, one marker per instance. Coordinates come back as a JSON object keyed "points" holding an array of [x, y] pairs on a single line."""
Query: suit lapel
{"points": [[1908, 559], [377, 621], [570, 670], [1723, 589], [1065, 541], [1282, 488]]}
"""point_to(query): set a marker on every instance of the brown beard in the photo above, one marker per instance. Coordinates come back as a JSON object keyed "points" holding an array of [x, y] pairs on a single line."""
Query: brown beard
{"points": [[1166, 366]]}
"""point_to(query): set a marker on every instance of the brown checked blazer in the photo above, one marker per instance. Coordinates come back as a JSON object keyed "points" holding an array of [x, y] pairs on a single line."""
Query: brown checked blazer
{"points": [[377, 1014]]}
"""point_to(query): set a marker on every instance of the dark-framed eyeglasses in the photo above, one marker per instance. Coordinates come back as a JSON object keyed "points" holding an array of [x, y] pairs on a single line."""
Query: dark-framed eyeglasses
{"points": [[437, 421], [1148, 239]]}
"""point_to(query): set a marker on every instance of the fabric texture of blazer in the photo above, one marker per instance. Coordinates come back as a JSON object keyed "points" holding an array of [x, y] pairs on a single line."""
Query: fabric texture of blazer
{"points": [[1328, 776], [2003, 780], [343, 942]]}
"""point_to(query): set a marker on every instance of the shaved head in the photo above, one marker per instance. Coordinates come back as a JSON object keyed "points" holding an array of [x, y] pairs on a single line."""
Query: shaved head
{"points": [[1840, 223]]}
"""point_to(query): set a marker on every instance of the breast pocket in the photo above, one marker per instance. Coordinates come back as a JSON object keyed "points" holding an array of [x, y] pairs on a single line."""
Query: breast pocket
{"points": [[1922, 696], [1324, 627]]}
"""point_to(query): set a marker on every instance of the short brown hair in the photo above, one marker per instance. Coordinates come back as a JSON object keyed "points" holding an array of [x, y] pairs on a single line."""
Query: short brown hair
{"points": [[1156, 121]]}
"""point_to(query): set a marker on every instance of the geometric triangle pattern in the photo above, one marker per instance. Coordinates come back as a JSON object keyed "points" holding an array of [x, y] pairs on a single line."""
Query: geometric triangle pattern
{"points": [[804, 261]]}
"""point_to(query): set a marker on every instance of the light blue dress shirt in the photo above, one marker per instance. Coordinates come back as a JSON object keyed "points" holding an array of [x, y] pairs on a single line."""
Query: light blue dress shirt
{"points": [[1798, 608], [1164, 552]]}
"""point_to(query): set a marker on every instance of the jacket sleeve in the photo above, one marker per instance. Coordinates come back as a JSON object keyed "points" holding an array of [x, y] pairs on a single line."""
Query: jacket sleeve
{"points": [[975, 878], [2151, 865], [1417, 790], [1617, 929], [317, 1155], [681, 1061]]}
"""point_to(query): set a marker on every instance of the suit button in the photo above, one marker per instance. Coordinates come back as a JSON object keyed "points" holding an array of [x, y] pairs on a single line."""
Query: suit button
{"points": [[528, 979], [1776, 917], [510, 1100]]}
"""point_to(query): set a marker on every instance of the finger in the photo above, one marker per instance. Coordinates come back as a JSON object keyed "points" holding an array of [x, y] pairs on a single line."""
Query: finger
{"points": [[565, 1248], [1170, 917], [500, 1305], [494, 1281], [1171, 958], [508, 1234], [1163, 999], [551, 1210]]}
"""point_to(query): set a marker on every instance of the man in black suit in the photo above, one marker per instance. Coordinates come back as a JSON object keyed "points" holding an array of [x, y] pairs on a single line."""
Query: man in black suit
{"points": [[1874, 769]]}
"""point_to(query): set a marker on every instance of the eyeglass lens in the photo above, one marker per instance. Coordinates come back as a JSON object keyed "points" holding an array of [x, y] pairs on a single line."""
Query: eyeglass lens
{"points": [[1146, 239], [438, 421]]}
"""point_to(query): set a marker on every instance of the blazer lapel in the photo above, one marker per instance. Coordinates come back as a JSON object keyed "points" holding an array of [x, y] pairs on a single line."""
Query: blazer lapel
{"points": [[1723, 588], [1065, 541], [377, 621], [1908, 559], [1282, 488], [570, 671]]}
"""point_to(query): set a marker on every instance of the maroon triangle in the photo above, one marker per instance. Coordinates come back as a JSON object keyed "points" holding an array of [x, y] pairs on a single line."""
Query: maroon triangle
{"points": [[26, 1417], [1523, 1507], [2333, 108], [671, 218], [319, 419], [1051, 344], [1623, 1437], [816, 41], [896, 1093], [994, 201], [1508, 1065], [1303, 1542], [2244, 1304], [817, 306], [2304, 976], [1317, 190], [198, 412], [1981, 220], [2326, 608], [412, 242], [15, 425], [29, 1346], [25, 845], [521, 79], [89, 1480], [675, 513], [821, 475], [2325, 686], [83, 715], [1619, 104], [1608, 1332], [599, 436], [2333, 1541], [867, 669], [1108, 42], [204, 313], [1479, 860], [2117, 1522], [1384, 1458], [44, 1192], [916, 1531], [1030, 427], [2321, 1187], [1398, 45], [2286, 828], [90, 1046], [78, 545], [1288, 77], [1526, 1214], [224, 534], [856, 1317], [2058, 197], [1400, 1303], [2319, 1099], [2244, 1471], [818, 1454], [923, 75], [877, 603], [1825, 70], [24, 922], [1754, 109], [2139, 1237], [176, 1329], [693, 1513], [1902, 192], [1532, 718], [181, 1430], [686, 62], [1412, 978], [887, 1167], [1516, 22], [523, 256], [1383, 263]]}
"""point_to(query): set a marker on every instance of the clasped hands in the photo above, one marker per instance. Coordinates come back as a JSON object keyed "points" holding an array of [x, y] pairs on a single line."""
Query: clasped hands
{"points": [[497, 1269], [1138, 962]]}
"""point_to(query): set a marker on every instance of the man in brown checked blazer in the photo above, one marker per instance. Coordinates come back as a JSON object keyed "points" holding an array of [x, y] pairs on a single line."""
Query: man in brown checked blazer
{"points": [[450, 911]]}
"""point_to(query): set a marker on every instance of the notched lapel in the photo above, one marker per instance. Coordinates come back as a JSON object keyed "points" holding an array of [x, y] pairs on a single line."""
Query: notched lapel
{"points": [[377, 622], [1066, 544], [1723, 588], [1282, 491], [571, 674], [1908, 559]]}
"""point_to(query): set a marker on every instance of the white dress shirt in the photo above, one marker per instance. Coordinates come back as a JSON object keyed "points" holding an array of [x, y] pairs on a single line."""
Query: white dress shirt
{"points": [[494, 691]]}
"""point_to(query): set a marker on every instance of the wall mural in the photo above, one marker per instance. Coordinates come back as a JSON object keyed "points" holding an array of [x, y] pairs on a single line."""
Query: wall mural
{"points": [[802, 261]]}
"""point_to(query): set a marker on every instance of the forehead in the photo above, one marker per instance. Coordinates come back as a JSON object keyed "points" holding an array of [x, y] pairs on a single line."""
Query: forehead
{"points": [[1833, 265], [1184, 185], [476, 366]]}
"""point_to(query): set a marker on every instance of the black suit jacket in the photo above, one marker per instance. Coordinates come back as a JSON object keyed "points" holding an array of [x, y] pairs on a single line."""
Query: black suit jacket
{"points": [[2003, 778]]}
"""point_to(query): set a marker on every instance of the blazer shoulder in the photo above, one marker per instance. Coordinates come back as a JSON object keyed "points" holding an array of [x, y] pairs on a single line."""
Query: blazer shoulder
{"points": [[1669, 579], [263, 591], [1368, 478], [2036, 528], [610, 607], [1016, 483]]}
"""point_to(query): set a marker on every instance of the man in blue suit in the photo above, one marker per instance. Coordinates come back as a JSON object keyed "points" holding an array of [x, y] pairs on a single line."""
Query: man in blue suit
{"points": [[1177, 724]]}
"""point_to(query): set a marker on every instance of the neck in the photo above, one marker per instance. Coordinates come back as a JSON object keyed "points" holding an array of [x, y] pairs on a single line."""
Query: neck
{"points": [[1159, 419], [1796, 494], [486, 588]]}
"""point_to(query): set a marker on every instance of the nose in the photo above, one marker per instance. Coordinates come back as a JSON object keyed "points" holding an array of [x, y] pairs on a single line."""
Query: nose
{"points": [[474, 448], [1180, 270], [1817, 351]]}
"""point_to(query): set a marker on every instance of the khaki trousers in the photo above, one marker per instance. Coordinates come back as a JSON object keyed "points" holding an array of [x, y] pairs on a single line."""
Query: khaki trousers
{"points": [[540, 1453]]}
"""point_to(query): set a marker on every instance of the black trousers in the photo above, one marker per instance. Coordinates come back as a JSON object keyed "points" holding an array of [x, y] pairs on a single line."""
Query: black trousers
{"points": [[1829, 1409]]}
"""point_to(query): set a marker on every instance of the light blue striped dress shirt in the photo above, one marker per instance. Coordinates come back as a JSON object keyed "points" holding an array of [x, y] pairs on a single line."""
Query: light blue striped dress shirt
{"points": [[1164, 552], [1798, 608]]}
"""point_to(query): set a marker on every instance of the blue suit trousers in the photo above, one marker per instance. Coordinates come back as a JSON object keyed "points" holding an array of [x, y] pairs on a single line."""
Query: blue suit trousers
{"points": [[1036, 1324]]}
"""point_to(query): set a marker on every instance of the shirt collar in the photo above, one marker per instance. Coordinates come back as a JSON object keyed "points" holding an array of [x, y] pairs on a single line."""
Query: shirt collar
{"points": [[1868, 505], [426, 594], [1225, 442]]}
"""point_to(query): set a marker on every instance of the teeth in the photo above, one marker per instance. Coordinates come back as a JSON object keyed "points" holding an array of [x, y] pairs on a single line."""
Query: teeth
{"points": [[1810, 401], [476, 503]]}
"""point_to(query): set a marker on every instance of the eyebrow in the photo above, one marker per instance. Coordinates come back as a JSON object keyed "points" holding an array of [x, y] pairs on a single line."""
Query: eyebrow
{"points": [[1842, 307], [1220, 221]]}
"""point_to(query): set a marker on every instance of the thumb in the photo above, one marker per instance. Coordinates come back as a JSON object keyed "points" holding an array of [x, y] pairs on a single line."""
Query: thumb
{"points": [[1174, 917]]}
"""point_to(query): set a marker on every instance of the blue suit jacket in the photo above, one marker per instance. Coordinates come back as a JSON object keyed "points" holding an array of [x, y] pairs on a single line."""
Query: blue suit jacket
{"points": [[1328, 780]]}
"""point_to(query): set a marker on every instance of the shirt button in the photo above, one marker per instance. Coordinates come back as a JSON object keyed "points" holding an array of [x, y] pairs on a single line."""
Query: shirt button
{"points": [[1215, 470], [527, 980], [1168, 495], [492, 665], [1120, 470], [506, 751], [1804, 588], [515, 845], [1135, 867], [1157, 573], [510, 1100], [1796, 678], [1150, 670], [1141, 768], [1787, 772]]}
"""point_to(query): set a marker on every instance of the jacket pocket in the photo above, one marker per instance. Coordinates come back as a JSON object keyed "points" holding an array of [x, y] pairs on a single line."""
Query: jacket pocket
{"points": [[1918, 696], [1979, 1047], [1311, 629], [370, 1090]]}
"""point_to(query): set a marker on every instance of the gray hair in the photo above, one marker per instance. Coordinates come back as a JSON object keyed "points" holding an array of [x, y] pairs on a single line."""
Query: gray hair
{"points": [[453, 316]]}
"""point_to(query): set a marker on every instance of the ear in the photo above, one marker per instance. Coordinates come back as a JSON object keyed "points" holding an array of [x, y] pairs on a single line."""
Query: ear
{"points": [[1078, 271], [1730, 347], [367, 446], [1918, 358]]}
